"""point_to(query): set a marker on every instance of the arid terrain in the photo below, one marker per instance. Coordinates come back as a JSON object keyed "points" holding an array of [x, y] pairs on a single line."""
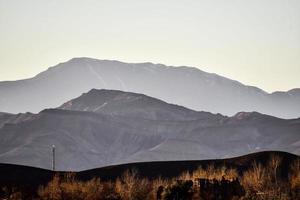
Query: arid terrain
{"points": [[254, 176]]}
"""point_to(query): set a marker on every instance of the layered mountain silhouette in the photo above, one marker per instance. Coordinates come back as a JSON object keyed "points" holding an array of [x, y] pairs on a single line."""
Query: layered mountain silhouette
{"points": [[105, 127], [186, 86]]}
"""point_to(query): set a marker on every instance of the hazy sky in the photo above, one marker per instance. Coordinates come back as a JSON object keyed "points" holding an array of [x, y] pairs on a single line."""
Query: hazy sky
{"points": [[256, 42]]}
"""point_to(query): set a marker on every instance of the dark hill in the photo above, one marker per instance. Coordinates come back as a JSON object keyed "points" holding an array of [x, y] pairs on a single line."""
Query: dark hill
{"points": [[170, 169], [29, 178]]}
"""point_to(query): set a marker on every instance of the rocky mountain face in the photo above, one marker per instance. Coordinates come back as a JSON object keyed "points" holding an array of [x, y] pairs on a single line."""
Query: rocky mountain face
{"points": [[105, 127], [185, 86]]}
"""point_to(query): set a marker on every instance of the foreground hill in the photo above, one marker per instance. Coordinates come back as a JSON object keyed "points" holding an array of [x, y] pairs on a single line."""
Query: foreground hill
{"points": [[105, 127], [29, 178], [186, 86]]}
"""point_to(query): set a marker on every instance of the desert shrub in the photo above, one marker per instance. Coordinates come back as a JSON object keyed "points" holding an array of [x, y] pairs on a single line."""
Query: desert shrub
{"points": [[211, 172], [263, 182], [274, 186], [199, 173], [254, 179], [11, 193], [231, 174], [273, 169], [294, 176], [125, 185], [214, 173], [158, 187], [294, 179], [52, 191], [185, 176], [69, 188], [93, 189], [109, 191], [266, 182], [131, 187], [180, 189], [142, 190]]}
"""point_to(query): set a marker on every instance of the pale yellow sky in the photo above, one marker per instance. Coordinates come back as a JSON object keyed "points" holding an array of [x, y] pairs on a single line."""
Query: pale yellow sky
{"points": [[256, 42]]}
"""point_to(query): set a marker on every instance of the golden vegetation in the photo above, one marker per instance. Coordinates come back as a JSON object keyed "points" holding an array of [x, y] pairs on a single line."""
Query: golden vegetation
{"points": [[294, 177], [69, 188]]}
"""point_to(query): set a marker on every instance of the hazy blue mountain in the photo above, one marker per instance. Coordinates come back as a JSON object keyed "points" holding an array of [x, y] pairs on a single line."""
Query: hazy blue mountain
{"points": [[104, 127], [186, 86]]}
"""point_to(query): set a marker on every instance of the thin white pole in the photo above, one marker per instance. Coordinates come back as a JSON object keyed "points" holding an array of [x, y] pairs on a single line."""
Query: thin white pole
{"points": [[53, 157]]}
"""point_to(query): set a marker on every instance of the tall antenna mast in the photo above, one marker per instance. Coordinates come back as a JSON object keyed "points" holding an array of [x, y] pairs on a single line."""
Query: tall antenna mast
{"points": [[53, 157]]}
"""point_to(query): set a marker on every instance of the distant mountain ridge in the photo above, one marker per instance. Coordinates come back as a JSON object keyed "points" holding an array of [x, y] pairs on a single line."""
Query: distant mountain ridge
{"points": [[105, 127], [130, 104], [185, 86]]}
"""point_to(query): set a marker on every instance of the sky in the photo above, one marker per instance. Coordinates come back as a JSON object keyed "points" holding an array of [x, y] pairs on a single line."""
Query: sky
{"points": [[256, 42]]}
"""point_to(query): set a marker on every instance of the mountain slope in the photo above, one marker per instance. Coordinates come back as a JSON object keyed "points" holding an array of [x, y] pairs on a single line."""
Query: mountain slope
{"points": [[186, 86], [133, 128]]}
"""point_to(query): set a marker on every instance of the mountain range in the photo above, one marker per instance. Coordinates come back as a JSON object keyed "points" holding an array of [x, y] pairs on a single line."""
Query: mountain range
{"points": [[185, 86], [105, 127]]}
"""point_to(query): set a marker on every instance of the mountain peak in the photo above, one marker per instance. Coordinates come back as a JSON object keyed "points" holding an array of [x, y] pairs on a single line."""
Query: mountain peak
{"points": [[249, 115], [116, 102], [186, 86], [295, 92]]}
